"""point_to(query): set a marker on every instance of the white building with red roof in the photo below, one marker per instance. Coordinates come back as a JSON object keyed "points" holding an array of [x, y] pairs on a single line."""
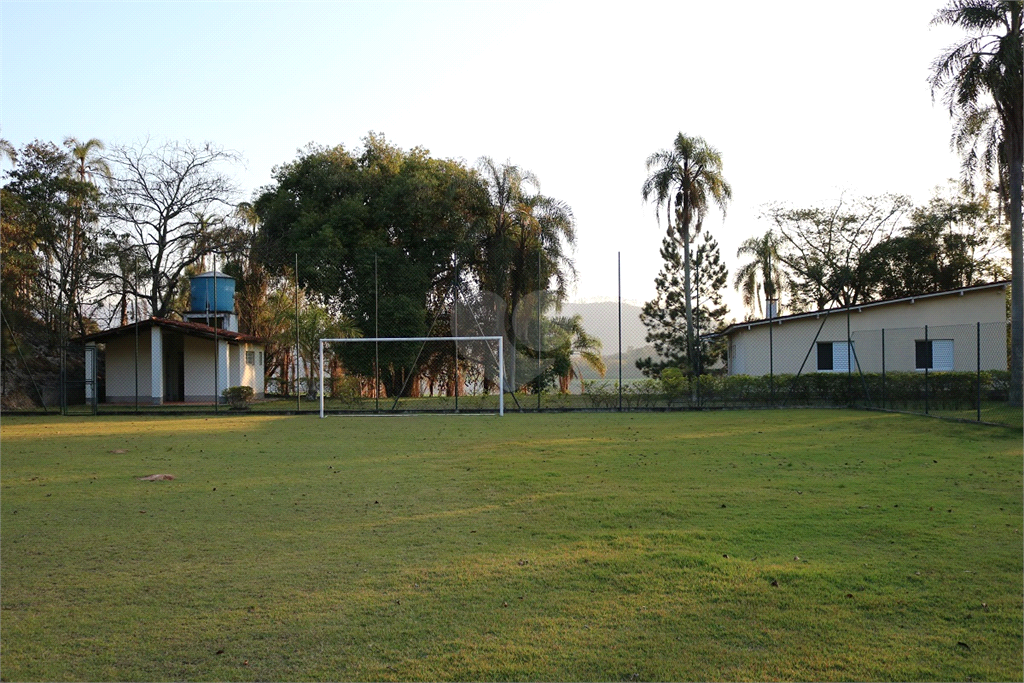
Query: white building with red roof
{"points": [[160, 360]]}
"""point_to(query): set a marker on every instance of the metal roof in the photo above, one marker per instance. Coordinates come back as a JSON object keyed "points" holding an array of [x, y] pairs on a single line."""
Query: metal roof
{"points": [[857, 307]]}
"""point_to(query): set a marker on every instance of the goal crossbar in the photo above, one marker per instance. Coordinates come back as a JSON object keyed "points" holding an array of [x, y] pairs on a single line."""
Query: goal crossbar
{"points": [[501, 359]]}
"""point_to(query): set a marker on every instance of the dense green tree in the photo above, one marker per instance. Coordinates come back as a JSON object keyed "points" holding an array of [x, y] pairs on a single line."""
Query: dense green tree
{"points": [[379, 235], [948, 243], [684, 181], [20, 262], [54, 212], [388, 236], [667, 318], [983, 83], [87, 166]]}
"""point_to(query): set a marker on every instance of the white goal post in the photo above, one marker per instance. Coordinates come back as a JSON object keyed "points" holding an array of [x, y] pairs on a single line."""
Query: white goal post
{"points": [[501, 359]]}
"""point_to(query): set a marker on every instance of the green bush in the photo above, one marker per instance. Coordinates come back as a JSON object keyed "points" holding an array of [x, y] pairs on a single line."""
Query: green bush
{"points": [[675, 384], [239, 397], [643, 394], [602, 395], [347, 389], [898, 390]]}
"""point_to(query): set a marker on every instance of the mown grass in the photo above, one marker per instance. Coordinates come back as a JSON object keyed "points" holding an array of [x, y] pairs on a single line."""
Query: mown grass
{"points": [[812, 545]]}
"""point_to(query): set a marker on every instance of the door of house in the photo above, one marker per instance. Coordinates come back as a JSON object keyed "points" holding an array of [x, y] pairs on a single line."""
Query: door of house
{"points": [[174, 374]]}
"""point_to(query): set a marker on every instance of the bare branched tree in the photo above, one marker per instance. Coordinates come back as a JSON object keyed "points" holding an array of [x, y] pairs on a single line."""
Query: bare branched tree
{"points": [[825, 248], [174, 204]]}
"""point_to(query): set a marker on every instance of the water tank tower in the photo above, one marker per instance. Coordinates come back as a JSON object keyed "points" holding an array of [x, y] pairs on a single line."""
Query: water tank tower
{"points": [[212, 301]]}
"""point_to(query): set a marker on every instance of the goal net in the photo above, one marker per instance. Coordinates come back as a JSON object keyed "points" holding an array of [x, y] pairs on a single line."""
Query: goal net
{"points": [[412, 374]]}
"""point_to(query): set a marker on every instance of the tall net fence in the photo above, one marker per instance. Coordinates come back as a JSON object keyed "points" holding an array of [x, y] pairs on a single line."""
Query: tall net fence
{"points": [[422, 375], [79, 388], [556, 356]]}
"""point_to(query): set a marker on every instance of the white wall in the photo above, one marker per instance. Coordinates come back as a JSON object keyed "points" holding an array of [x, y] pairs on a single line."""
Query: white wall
{"points": [[252, 375], [120, 368], [954, 317], [199, 367]]}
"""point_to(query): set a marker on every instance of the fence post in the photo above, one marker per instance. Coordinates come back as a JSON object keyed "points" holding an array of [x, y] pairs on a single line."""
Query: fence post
{"points": [[540, 342], [91, 377], [771, 359], [455, 333], [376, 336], [926, 368], [63, 379], [136, 354], [849, 357], [883, 368], [977, 348], [620, 329]]}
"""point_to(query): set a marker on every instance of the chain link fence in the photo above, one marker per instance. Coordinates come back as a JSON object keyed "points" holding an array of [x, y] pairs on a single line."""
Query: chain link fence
{"points": [[79, 388], [573, 356]]}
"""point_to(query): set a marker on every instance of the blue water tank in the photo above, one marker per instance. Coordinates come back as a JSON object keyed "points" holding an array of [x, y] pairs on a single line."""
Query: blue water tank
{"points": [[203, 298]]}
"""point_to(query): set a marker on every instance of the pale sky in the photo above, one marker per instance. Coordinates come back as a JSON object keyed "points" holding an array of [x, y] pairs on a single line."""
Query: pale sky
{"points": [[804, 100]]}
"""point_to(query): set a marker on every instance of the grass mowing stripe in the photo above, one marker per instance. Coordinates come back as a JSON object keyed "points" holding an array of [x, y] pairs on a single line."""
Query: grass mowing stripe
{"points": [[831, 545]]}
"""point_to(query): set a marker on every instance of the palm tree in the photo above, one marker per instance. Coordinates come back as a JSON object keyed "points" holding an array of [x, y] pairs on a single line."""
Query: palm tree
{"points": [[252, 279], [507, 185], [764, 271], [86, 165], [526, 246], [683, 180], [7, 150], [983, 80], [575, 349], [316, 323], [543, 227]]}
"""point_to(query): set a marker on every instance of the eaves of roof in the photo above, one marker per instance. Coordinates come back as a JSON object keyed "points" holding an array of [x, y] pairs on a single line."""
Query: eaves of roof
{"points": [[191, 329], [746, 325]]}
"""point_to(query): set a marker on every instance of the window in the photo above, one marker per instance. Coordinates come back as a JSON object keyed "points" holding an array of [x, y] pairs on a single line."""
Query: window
{"points": [[824, 356], [259, 358], [835, 356], [934, 354], [250, 358]]}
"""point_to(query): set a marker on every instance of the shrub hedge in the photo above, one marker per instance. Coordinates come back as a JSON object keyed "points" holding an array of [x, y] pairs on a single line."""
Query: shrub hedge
{"points": [[942, 390]]}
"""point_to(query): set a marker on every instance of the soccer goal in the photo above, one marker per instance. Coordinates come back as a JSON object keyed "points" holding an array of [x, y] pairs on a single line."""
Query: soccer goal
{"points": [[395, 367]]}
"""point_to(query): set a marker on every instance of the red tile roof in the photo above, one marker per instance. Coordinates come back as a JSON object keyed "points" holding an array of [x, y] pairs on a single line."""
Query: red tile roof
{"points": [[190, 328]]}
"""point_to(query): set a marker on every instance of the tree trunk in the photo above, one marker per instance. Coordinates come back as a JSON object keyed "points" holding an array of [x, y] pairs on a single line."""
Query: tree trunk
{"points": [[124, 307], [687, 294], [285, 365], [1016, 284]]}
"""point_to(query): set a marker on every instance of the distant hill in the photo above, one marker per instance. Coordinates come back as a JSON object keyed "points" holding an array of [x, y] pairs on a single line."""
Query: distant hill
{"points": [[629, 359], [601, 319]]}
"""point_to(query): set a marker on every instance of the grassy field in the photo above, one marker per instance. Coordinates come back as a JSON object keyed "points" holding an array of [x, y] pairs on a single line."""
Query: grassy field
{"points": [[814, 545]]}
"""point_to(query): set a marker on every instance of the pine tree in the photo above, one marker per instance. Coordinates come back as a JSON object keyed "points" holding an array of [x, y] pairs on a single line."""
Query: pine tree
{"points": [[665, 315]]}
